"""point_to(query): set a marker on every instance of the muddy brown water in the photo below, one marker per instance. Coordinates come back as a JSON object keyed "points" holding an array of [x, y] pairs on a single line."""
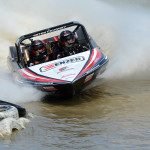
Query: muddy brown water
{"points": [[115, 115]]}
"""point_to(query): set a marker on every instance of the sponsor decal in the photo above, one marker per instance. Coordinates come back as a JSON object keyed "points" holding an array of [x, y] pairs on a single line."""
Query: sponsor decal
{"points": [[49, 30], [50, 88], [49, 67], [93, 69], [96, 60], [68, 75], [43, 83], [63, 62], [64, 69], [32, 78], [89, 77]]}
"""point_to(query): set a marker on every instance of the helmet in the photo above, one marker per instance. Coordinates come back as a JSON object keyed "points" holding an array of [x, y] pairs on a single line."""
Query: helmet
{"points": [[38, 46], [67, 38]]}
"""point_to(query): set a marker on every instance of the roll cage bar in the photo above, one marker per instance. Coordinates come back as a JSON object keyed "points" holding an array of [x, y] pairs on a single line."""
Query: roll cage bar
{"points": [[49, 30]]}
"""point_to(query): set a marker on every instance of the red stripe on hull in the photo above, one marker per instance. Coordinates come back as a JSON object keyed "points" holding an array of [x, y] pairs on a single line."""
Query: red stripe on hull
{"points": [[91, 62], [33, 77]]}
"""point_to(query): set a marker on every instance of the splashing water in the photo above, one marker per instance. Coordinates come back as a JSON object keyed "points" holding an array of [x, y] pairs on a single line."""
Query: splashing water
{"points": [[131, 55], [123, 36]]}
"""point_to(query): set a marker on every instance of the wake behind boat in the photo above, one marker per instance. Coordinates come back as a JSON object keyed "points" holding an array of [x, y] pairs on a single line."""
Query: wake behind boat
{"points": [[66, 75]]}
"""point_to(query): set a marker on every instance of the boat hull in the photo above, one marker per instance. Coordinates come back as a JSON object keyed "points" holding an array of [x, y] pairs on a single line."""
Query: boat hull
{"points": [[71, 78]]}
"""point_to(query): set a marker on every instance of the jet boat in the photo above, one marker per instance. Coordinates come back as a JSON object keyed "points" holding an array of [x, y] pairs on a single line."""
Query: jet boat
{"points": [[67, 75]]}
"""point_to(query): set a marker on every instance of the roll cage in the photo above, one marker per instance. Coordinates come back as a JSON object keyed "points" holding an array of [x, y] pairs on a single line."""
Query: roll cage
{"points": [[79, 30]]}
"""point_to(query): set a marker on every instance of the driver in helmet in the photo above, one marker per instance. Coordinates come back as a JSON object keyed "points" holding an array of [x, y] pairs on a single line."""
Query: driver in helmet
{"points": [[38, 53], [68, 42], [69, 45]]}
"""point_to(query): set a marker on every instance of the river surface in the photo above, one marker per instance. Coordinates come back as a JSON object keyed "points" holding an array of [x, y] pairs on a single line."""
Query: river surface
{"points": [[114, 112]]}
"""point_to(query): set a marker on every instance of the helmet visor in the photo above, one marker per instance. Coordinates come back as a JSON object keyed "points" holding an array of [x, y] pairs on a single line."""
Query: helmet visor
{"points": [[68, 38], [38, 47], [71, 40]]}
